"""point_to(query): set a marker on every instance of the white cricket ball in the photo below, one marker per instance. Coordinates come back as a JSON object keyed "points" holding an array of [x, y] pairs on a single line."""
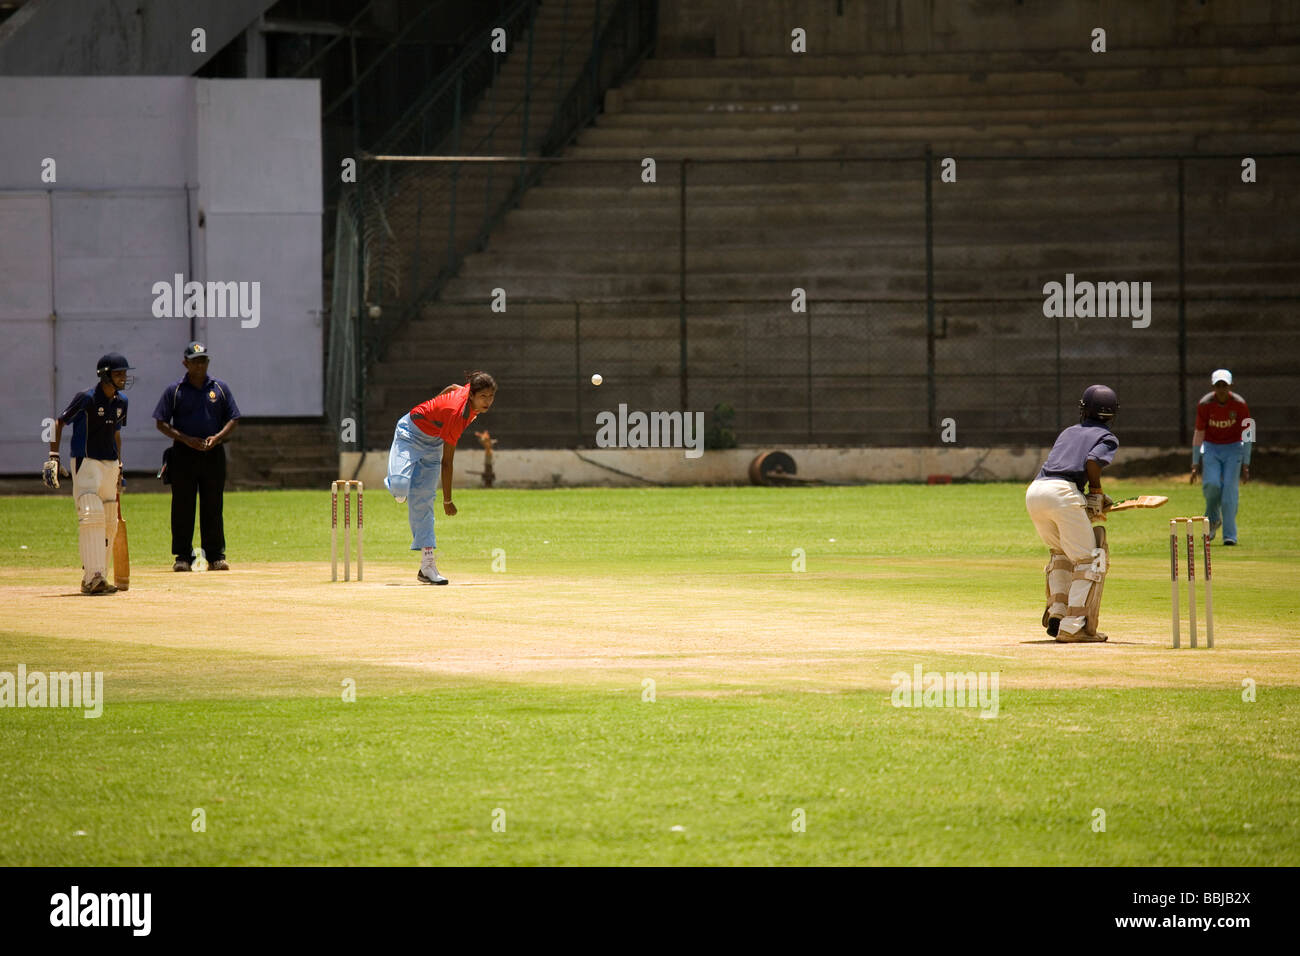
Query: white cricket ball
{"points": [[596, 379]]}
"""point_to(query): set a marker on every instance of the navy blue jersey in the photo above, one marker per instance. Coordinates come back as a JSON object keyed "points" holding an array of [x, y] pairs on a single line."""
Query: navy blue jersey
{"points": [[197, 412], [1075, 447], [95, 419]]}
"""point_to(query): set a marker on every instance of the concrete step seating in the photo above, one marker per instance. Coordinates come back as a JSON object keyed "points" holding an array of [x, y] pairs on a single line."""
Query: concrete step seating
{"points": [[596, 243], [270, 454]]}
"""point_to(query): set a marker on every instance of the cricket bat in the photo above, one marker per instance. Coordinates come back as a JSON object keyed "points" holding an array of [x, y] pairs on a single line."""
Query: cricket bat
{"points": [[1141, 501], [121, 552]]}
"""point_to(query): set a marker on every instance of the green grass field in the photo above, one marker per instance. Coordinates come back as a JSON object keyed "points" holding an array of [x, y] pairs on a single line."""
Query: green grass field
{"points": [[518, 697]]}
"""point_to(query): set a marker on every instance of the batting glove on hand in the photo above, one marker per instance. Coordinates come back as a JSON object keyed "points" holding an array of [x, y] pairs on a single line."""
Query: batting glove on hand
{"points": [[1097, 504], [50, 471]]}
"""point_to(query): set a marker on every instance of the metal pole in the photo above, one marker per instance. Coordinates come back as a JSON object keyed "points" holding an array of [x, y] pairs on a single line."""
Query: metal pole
{"points": [[492, 132], [455, 177], [359, 344], [358, 292], [564, 46], [578, 370], [1059, 399], [356, 100], [809, 369], [681, 283], [595, 58], [929, 292], [528, 86], [1183, 435]]}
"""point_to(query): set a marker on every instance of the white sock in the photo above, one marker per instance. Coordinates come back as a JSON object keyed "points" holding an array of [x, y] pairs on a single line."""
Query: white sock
{"points": [[427, 560]]}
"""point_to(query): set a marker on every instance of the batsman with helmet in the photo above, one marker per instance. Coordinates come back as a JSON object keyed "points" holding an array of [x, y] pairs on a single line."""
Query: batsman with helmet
{"points": [[97, 417], [1063, 514]]}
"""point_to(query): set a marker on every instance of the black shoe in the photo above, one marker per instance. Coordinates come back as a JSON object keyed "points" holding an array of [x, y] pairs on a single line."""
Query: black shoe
{"points": [[1229, 544], [181, 565], [1053, 627]]}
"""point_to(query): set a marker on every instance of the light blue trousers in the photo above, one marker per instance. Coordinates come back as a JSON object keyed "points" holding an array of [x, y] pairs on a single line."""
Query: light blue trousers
{"points": [[414, 472], [1220, 469]]}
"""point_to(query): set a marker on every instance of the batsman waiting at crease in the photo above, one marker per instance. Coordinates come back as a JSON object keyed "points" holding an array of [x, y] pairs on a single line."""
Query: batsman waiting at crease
{"points": [[1076, 569], [97, 417]]}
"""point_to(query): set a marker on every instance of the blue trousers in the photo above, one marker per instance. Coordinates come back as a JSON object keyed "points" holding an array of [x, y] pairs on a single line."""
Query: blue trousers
{"points": [[414, 472], [1220, 469]]}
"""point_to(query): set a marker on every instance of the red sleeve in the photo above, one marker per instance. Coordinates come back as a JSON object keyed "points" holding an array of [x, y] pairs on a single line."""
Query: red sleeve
{"points": [[1202, 416]]}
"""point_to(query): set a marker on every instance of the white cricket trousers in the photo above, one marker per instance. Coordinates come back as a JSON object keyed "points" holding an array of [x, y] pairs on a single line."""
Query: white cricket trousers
{"points": [[1059, 512]]}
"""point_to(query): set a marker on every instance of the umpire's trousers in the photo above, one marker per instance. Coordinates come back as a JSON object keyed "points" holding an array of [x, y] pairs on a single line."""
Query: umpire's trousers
{"points": [[201, 473]]}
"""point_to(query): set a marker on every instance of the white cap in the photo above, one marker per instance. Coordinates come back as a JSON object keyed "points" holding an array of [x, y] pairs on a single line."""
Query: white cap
{"points": [[1220, 375]]}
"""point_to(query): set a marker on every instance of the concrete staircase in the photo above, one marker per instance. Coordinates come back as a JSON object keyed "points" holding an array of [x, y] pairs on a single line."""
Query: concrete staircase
{"points": [[269, 453], [420, 212], [590, 259]]}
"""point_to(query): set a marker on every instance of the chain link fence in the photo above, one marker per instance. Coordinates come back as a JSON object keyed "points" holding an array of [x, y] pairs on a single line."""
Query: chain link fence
{"points": [[839, 301]]}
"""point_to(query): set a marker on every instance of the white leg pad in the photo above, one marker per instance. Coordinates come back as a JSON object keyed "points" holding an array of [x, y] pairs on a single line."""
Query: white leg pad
{"points": [[90, 535], [1085, 590], [1059, 570]]}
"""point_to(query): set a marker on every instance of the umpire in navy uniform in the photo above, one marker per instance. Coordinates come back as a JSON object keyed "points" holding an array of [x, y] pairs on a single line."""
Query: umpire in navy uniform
{"points": [[197, 413]]}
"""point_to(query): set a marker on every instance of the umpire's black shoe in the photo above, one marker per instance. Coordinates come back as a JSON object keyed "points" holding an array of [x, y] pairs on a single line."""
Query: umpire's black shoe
{"points": [[181, 565]]}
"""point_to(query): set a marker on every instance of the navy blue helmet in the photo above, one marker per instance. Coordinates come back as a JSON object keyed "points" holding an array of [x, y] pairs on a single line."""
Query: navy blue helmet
{"points": [[114, 362], [1098, 402]]}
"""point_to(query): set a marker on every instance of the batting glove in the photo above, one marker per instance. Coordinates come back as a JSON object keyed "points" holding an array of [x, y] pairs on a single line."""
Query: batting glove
{"points": [[50, 471]]}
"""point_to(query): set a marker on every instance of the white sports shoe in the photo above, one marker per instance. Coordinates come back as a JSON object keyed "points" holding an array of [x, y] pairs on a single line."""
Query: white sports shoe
{"points": [[428, 573]]}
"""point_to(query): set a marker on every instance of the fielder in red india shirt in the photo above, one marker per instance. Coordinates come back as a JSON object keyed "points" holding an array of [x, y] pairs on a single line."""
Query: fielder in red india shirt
{"points": [[1221, 447], [1221, 424]]}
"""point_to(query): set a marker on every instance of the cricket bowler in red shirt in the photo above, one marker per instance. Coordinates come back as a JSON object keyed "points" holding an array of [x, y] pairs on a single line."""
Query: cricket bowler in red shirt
{"points": [[424, 447]]}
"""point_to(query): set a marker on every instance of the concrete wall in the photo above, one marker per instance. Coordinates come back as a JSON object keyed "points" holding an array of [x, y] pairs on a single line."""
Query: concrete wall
{"points": [[131, 37], [137, 159], [258, 165], [622, 467], [762, 27]]}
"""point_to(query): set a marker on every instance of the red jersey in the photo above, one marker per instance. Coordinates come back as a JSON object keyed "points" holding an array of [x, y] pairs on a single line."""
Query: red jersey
{"points": [[1222, 424], [445, 416]]}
